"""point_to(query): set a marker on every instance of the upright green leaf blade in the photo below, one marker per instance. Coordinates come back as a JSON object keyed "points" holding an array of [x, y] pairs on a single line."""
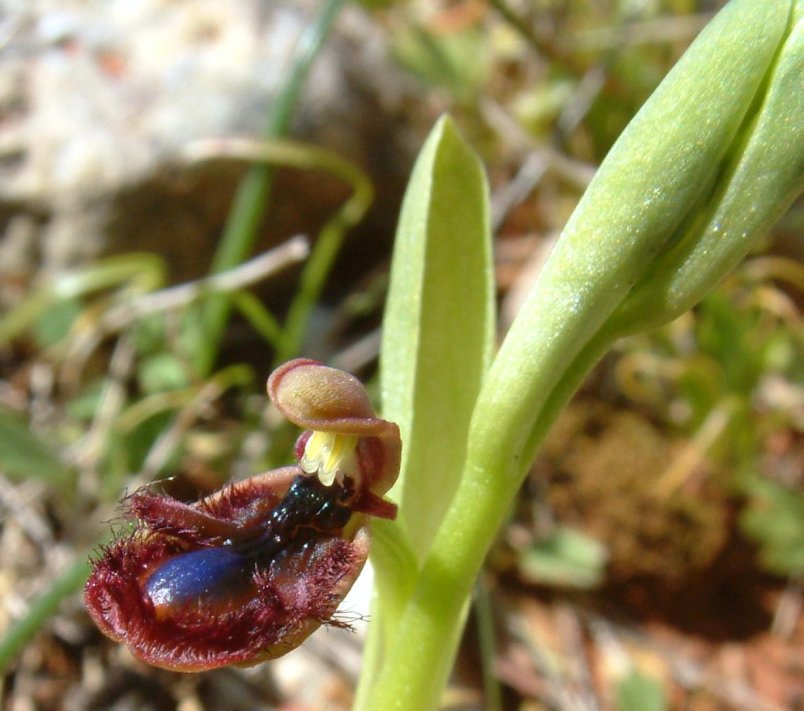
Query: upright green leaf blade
{"points": [[439, 324]]}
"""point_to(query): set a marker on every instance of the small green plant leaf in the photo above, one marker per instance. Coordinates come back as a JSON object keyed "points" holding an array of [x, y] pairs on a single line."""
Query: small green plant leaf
{"points": [[775, 519], [54, 323], [457, 60], [25, 455], [566, 557], [638, 692], [438, 329], [84, 405], [162, 371]]}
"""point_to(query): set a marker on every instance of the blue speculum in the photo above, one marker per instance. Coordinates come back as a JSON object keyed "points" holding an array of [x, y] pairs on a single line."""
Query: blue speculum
{"points": [[205, 574]]}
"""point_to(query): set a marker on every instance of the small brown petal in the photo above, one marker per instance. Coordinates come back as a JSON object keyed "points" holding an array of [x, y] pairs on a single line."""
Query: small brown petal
{"points": [[325, 399]]}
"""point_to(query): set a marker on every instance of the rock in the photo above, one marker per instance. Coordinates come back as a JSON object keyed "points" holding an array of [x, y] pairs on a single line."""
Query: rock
{"points": [[96, 100]]}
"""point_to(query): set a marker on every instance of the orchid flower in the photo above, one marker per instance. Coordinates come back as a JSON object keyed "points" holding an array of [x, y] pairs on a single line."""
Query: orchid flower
{"points": [[250, 571]]}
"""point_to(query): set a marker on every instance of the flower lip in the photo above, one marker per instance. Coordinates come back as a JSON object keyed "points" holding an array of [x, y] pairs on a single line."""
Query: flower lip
{"points": [[187, 604]]}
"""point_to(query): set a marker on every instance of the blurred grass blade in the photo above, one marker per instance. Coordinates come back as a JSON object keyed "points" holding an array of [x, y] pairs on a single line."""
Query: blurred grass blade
{"points": [[484, 614], [24, 455], [131, 274], [288, 339], [438, 331], [22, 630], [258, 317], [253, 193]]}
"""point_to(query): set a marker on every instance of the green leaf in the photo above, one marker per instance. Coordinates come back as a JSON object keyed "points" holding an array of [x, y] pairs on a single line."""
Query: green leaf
{"points": [[438, 336], [55, 322], [639, 692], [775, 519], [84, 405], [663, 165], [567, 557], [759, 176], [457, 60], [25, 455], [438, 331], [162, 371], [654, 189]]}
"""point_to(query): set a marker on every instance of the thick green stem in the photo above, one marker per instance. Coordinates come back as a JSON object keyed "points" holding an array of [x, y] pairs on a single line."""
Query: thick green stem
{"points": [[649, 202], [427, 635]]}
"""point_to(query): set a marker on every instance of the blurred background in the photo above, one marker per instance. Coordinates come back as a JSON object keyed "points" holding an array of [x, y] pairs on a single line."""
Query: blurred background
{"points": [[150, 277]]}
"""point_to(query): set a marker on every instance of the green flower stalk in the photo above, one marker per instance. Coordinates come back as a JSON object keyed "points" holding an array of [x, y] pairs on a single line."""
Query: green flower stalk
{"points": [[711, 160]]}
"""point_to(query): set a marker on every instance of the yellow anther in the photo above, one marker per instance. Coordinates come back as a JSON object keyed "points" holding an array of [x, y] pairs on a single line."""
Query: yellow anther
{"points": [[330, 456]]}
